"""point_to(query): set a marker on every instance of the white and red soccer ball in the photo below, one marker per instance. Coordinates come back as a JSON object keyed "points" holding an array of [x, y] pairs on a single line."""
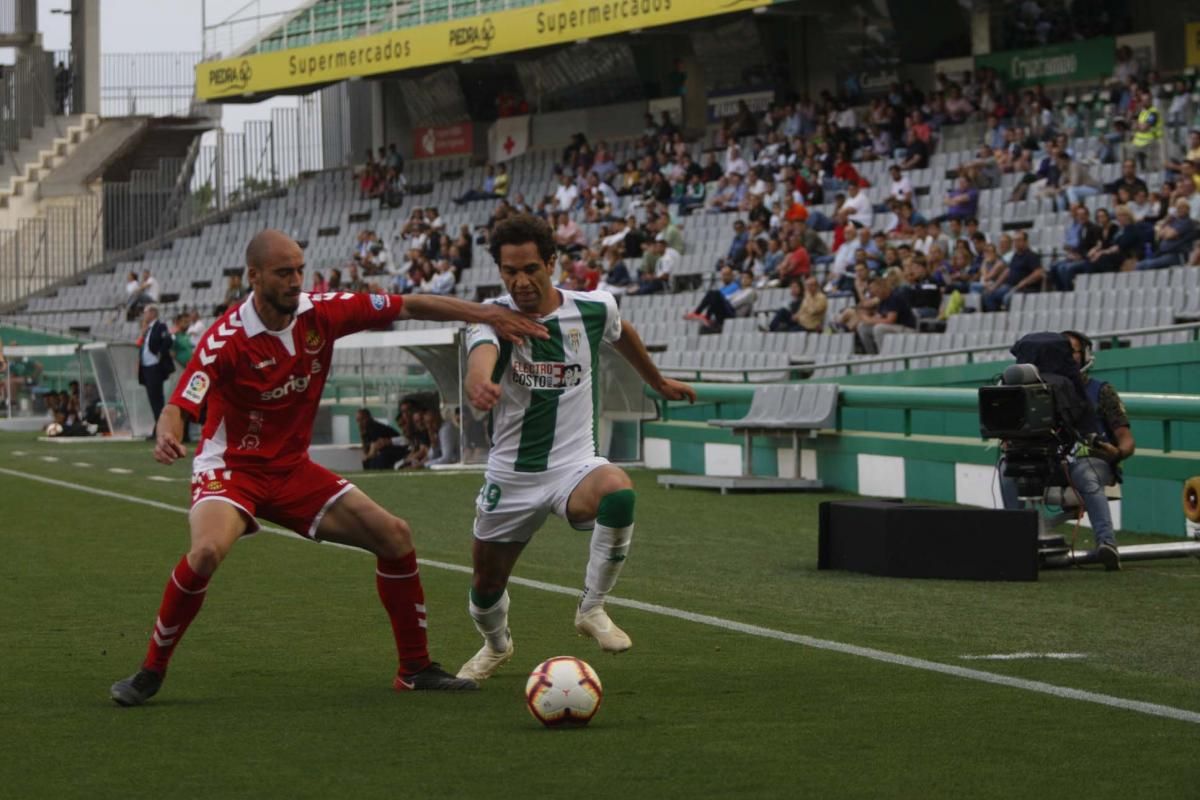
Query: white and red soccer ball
{"points": [[563, 692]]}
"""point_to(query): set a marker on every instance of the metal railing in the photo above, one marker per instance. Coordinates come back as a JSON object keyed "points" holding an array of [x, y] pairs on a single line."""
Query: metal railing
{"points": [[53, 247], [18, 17], [26, 98], [267, 155], [148, 84]]}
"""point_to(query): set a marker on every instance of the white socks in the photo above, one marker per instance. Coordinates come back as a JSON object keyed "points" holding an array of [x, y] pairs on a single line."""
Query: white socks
{"points": [[492, 623], [608, 550]]}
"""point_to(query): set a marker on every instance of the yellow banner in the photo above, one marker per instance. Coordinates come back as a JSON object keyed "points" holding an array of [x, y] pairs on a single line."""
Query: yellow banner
{"points": [[444, 42], [1192, 32]]}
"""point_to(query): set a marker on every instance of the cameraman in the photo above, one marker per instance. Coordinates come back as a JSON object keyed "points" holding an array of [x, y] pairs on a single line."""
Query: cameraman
{"points": [[1094, 465]]}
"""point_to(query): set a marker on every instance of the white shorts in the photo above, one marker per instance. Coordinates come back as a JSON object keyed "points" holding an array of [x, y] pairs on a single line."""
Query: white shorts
{"points": [[511, 506]]}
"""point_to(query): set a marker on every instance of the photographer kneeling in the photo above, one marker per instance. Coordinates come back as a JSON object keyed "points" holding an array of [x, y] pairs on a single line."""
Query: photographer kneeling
{"points": [[1093, 466]]}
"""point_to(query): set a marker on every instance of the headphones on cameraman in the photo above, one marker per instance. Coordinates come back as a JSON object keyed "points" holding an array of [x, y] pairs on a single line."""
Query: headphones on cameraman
{"points": [[1088, 358]]}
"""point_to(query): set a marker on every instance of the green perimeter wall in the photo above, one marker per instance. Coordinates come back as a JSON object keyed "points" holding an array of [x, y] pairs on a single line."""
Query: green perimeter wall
{"points": [[932, 442]]}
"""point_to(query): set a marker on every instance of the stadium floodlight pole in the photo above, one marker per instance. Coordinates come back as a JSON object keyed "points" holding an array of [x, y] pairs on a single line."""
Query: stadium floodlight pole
{"points": [[203, 29]]}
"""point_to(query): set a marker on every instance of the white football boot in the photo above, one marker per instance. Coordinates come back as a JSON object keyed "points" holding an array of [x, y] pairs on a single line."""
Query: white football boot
{"points": [[484, 664], [597, 624]]}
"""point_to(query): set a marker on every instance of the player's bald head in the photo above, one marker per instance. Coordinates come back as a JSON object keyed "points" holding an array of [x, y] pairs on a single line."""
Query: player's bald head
{"points": [[268, 247]]}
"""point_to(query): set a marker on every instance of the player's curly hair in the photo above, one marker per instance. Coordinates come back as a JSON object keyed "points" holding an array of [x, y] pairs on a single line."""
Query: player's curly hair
{"points": [[522, 228]]}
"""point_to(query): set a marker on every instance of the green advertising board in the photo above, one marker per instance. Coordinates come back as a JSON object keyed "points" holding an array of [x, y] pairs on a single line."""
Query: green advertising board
{"points": [[1074, 61]]}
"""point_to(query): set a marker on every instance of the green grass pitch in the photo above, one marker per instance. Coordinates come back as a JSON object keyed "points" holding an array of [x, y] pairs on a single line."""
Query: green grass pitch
{"points": [[282, 685]]}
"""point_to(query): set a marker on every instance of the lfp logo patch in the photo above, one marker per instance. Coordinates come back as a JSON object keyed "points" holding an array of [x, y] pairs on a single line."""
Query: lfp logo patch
{"points": [[379, 302], [196, 389]]}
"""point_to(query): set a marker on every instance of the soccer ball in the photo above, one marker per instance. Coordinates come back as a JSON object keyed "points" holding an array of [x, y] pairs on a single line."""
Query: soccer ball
{"points": [[563, 692]]}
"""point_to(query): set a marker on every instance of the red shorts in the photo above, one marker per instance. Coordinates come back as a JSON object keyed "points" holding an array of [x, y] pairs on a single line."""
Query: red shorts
{"points": [[295, 498]]}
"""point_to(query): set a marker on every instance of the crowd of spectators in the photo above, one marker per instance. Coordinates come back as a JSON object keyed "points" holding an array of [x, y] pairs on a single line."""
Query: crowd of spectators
{"points": [[381, 176], [421, 438], [805, 217]]}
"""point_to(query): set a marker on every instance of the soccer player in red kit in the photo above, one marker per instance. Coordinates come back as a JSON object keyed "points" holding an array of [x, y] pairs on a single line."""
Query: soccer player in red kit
{"points": [[260, 370]]}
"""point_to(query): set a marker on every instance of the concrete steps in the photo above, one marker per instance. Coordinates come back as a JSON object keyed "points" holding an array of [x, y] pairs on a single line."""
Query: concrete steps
{"points": [[24, 170]]}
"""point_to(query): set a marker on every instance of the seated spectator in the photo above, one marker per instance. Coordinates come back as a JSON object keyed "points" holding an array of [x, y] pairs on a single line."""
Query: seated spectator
{"points": [[857, 208], [962, 203], [923, 294], [1173, 238], [1129, 180], [916, 152], [568, 235], [487, 190], [864, 302], [1023, 274], [441, 282], [731, 191], [1076, 185], [735, 298], [319, 284], [805, 312], [615, 278], [1081, 236], [146, 292], [630, 181], [734, 163], [775, 255], [796, 265], [665, 260], [443, 438], [416, 431], [566, 195], [382, 445], [693, 195], [1191, 152], [844, 258], [736, 253], [394, 187], [893, 315], [901, 188], [354, 282]]}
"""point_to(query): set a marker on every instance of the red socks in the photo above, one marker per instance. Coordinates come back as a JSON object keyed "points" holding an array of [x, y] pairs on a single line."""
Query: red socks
{"points": [[399, 584], [181, 602]]}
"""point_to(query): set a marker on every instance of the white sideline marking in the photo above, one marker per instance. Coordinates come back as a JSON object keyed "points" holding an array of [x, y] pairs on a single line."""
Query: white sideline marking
{"points": [[120, 470], [19, 453], [49, 458], [80, 464], [163, 478], [1040, 687], [1021, 656]]}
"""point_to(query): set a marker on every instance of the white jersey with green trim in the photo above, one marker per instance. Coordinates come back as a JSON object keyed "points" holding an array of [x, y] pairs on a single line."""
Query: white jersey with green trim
{"points": [[546, 416]]}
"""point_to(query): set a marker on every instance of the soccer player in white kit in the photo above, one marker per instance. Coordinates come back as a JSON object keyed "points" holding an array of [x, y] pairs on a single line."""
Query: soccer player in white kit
{"points": [[543, 396]]}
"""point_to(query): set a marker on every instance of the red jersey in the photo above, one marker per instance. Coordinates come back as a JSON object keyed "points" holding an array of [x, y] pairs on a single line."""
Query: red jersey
{"points": [[262, 387]]}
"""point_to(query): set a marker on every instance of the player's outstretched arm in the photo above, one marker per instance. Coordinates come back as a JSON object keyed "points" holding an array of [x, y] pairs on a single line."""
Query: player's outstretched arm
{"points": [[167, 447], [508, 325], [632, 349], [482, 392]]}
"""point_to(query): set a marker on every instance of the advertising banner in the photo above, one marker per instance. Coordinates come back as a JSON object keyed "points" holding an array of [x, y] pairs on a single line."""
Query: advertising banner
{"points": [[447, 140], [443, 42], [1073, 61]]}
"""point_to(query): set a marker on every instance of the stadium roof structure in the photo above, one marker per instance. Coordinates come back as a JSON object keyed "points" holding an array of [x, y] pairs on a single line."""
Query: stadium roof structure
{"points": [[333, 40]]}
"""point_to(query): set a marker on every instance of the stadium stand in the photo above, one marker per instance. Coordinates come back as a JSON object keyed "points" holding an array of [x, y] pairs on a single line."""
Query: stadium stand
{"points": [[327, 212]]}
